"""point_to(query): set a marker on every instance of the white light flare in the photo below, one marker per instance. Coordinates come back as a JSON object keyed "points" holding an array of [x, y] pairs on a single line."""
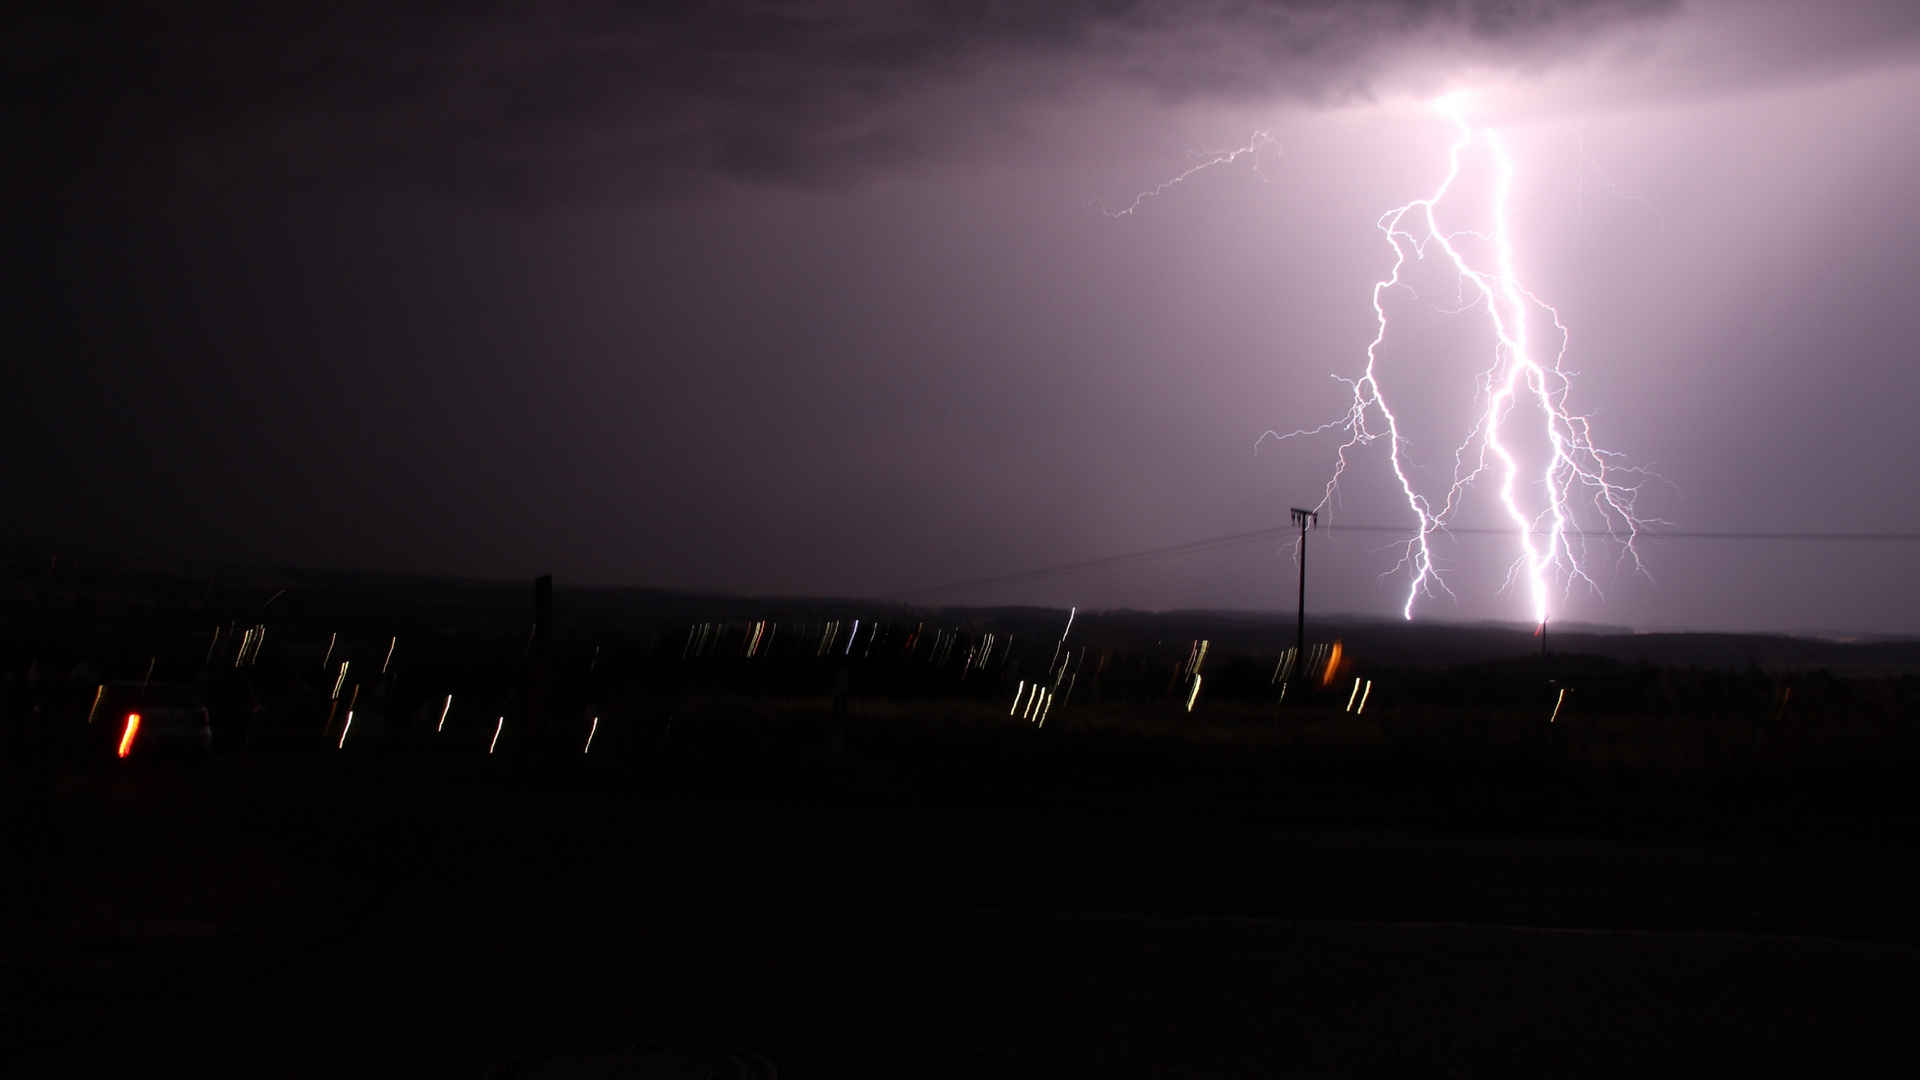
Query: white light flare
{"points": [[497, 725], [587, 749], [442, 725]]}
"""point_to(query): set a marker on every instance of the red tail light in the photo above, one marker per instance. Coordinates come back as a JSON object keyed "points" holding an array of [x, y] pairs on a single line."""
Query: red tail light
{"points": [[126, 737]]}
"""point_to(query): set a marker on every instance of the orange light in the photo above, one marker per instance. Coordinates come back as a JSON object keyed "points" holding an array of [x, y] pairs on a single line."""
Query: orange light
{"points": [[126, 737], [1333, 665]]}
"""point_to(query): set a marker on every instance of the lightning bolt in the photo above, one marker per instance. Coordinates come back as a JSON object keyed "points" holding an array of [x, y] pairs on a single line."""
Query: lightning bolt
{"points": [[1548, 537], [1224, 157]]}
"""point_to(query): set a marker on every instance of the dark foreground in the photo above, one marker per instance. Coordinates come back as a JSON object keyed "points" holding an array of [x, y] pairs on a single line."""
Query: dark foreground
{"points": [[961, 908]]}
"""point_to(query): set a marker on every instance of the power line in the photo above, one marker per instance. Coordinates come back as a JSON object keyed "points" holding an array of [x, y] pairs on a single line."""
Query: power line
{"points": [[1777, 536]]}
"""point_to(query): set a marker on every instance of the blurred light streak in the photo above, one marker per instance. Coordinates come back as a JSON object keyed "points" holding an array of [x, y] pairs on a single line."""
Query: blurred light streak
{"points": [[1364, 695], [442, 725], [1194, 693], [344, 728], [1352, 696], [497, 725], [1333, 665], [389, 660], [95, 707], [596, 727], [1557, 702], [127, 734], [325, 660]]}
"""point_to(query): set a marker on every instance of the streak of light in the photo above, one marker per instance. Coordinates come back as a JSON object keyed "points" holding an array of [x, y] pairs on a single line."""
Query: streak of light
{"points": [[850, 638], [497, 725], [389, 660], [1352, 696], [1071, 612], [596, 727], [1071, 679], [127, 734], [344, 728], [341, 679], [1364, 695], [1557, 702], [216, 641], [1194, 693], [1224, 157], [95, 707], [1045, 708], [1283, 691], [1026, 713], [240, 654], [442, 725], [1333, 665], [331, 638]]}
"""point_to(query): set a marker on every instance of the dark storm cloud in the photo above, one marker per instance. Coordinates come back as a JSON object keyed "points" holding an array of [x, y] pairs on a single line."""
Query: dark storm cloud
{"points": [[549, 101]]}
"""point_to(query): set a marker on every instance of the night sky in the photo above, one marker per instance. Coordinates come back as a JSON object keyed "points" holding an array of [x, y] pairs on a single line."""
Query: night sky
{"points": [[826, 298]]}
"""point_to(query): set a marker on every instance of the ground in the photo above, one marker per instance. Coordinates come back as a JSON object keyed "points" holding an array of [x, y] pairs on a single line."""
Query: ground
{"points": [[1112, 912]]}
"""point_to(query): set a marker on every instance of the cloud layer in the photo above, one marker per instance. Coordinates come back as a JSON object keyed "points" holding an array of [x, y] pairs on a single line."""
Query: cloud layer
{"points": [[527, 105]]}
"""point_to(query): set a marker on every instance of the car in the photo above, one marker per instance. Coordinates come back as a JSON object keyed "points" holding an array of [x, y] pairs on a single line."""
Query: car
{"points": [[148, 720]]}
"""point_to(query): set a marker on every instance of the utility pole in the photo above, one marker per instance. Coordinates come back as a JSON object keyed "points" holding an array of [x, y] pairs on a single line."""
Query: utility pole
{"points": [[1306, 519]]}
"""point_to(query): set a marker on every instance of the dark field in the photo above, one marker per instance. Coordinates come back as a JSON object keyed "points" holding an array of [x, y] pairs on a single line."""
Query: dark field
{"points": [[942, 907], [753, 873]]}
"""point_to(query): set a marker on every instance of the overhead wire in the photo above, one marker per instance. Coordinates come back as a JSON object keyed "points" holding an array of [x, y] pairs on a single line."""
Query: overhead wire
{"points": [[1190, 546]]}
